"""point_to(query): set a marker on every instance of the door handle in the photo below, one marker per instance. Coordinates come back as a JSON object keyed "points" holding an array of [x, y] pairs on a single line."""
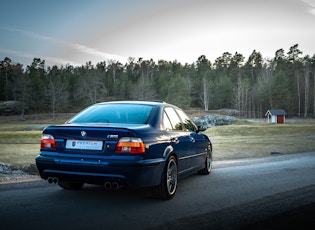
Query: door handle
{"points": [[175, 140], [192, 139]]}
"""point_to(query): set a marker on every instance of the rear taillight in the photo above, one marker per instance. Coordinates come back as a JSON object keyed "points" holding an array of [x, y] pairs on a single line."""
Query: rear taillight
{"points": [[48, 142], [130, 145]]}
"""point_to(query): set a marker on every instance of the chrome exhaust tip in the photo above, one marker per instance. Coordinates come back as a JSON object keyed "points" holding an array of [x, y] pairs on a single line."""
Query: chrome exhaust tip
{"points": [[108, 185], [50, 180], [55, 180], [116, 185]]}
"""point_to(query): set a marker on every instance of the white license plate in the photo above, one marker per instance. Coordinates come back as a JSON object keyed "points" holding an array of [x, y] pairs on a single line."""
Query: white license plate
{"points": [[88, 145]]}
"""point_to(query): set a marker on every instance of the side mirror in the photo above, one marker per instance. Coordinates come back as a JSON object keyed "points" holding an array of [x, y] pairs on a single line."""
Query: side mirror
{"points": [[201, 128]]}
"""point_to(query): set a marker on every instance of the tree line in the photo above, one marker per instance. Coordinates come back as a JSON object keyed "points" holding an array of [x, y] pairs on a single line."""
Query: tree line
{"points": [[251, 86]]}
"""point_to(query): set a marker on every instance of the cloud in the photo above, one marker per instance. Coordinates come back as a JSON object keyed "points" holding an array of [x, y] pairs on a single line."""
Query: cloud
{"points": [[75, 46], [53, 60], [311, 5], [95, 52]]}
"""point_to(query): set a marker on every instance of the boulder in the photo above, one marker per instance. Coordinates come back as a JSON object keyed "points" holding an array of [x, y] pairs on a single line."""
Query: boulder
{"points": [[10, 107], [214, 120]]}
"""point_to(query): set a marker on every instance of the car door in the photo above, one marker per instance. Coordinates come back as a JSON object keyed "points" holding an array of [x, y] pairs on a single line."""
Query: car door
{"points": [[198, 144], [180, 139]]}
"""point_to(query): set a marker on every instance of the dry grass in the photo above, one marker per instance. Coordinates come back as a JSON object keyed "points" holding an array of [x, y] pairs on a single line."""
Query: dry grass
{"points": [[20, 137], [258, 140], [243, 140], [18, 154], [18, 146]]}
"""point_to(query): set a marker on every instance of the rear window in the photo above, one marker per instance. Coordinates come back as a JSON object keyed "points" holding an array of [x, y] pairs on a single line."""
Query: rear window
{"points": [[114, 113]]}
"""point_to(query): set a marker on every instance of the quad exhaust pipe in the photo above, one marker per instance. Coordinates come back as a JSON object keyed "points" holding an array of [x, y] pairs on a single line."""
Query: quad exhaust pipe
{"points": [[112, 185], [52, 180], [107, 185]]}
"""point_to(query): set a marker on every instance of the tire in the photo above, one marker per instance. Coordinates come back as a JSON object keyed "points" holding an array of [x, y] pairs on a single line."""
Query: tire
{"points": [[70, 185], [166, 190], [208, 164]]}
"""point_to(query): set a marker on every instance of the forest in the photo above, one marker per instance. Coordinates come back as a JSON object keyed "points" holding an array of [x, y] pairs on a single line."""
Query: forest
{"points": [[251, 86]]}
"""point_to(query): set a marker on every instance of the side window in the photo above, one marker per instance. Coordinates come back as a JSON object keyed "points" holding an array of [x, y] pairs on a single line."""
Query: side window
{"points": [[173, 118], [188, 124], [166, 122]]}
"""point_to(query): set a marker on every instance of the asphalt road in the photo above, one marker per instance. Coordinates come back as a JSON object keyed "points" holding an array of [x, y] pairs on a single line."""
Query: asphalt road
{"points": [[276, 192]]}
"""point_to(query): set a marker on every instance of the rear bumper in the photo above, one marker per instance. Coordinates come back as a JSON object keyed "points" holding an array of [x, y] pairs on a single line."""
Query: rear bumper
{"points": [[132, 172]]}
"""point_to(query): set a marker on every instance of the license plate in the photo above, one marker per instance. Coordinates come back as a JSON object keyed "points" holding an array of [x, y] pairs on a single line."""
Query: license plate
{"points": [[87, 145]]}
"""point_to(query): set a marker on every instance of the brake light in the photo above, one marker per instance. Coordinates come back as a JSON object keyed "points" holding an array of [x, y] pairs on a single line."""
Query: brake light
{"points": [[130, 145], [48, 142]]}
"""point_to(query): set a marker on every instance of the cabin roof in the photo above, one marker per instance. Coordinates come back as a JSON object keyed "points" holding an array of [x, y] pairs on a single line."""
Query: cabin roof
{"points": [[276, 112]]}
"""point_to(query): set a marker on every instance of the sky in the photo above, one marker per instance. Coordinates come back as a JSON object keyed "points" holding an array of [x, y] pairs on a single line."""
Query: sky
{"points": [[73, 32]]}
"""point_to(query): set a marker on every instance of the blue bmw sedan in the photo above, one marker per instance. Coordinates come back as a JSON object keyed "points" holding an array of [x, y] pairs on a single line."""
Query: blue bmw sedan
{"points": [[125, 143]]}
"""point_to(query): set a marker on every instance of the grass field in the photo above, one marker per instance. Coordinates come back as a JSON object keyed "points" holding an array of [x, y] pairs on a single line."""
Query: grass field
{"points": [[259, 140], [18, 144], [245, 140]]}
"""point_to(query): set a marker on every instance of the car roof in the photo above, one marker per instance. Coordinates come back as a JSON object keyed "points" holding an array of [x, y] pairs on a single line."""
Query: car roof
{"points": [[136, 102]]}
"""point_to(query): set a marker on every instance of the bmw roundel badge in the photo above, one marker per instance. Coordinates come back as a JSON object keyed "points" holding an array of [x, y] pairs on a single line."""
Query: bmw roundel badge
{"points": [[83, 134]]}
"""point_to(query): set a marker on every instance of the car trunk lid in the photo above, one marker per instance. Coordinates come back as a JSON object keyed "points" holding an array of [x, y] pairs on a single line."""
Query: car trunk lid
{"points": [[87, 139]]}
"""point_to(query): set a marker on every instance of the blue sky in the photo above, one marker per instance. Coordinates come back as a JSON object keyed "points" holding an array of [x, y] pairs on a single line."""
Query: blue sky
{"points": [[73, 32]]}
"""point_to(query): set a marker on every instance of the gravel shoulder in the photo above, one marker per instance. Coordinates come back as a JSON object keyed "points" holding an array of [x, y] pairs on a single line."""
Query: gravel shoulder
{"points": [[14, 174]]}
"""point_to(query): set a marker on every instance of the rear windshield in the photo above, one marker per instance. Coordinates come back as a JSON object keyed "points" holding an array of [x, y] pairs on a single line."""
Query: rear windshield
{"points": [[114, 113]]}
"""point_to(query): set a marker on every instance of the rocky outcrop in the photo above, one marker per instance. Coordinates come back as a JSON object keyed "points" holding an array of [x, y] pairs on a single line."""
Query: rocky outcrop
{"points": [[214, 120], [10, 107], [11, 173]]}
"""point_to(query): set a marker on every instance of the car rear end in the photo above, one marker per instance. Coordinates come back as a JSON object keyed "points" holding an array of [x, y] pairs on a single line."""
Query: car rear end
{"points": [[96, 155], [102, 146]]}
